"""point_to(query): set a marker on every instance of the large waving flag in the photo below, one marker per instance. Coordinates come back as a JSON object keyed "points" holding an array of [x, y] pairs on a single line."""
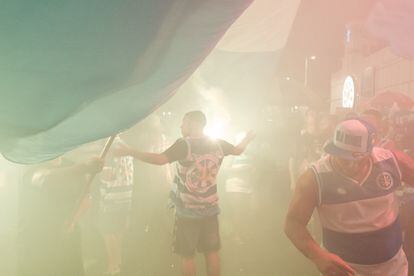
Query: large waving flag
{"points": [[76, 71], [240, 76], [263, 27], [393, 22]]}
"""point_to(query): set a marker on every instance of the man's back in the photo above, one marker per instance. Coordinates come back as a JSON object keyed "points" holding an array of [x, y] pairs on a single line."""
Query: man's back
{"points": [[194, 190]]}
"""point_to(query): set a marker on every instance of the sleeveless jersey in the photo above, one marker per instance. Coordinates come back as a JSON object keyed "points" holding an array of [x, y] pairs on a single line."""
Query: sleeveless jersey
{"points": [[360, 220], [194, 190]]}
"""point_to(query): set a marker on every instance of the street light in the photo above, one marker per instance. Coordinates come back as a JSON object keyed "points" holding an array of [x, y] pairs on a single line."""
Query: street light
{"points": [[307, 59]]}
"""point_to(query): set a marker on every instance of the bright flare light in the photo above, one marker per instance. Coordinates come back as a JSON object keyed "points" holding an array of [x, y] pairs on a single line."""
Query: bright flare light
{"points": [[216, 129]]}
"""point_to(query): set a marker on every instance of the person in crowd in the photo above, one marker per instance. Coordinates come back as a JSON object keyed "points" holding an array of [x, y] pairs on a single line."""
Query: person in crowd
{"points": [[376, 119], [116, 187], [401, 137], [400, 120], [149, 215], [406, 193], [48, 241], [194, 191], [318, 127], [326, 128], [352, 187], [308, 148], [239, 189]]}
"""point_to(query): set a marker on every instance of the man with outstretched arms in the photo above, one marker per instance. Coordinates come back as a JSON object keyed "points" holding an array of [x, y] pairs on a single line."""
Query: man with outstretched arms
{"points": [[194, 190]]}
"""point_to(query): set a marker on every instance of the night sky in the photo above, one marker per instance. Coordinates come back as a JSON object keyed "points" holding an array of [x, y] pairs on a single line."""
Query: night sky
{"points": [[318, 30]]}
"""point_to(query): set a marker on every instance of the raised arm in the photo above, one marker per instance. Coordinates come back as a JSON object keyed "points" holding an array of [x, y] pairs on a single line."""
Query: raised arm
{"points": [[54, 176], [147, 157], [177, 151], [241, 147], [302, 205]]}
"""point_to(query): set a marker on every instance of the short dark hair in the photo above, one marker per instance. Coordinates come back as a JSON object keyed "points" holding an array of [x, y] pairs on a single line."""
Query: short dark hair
{"points": [[197, 117]]}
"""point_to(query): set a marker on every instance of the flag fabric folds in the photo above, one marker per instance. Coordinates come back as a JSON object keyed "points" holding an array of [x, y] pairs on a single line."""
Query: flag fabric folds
{"points": [[393, 22], [76, 71]]}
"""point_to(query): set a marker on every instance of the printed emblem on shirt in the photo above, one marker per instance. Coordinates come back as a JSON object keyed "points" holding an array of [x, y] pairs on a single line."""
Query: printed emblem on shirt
{"points": [[385, 180], [203, 174]]}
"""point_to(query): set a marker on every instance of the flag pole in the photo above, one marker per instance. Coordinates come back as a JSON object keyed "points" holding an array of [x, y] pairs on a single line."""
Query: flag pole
{"points": [[84, 196]]}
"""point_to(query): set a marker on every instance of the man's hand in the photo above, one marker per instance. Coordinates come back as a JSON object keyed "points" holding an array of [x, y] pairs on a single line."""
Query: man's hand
{"points": [[330, 264], [302, 205], [250, 135], [239, 149]]}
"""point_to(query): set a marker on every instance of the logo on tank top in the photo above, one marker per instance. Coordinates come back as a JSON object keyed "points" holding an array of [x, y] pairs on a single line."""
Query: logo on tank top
{"points": [[385, 180], [203, 173]]}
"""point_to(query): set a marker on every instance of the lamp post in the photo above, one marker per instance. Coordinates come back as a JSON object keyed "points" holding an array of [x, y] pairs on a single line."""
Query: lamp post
{"points": [[307, 59]]}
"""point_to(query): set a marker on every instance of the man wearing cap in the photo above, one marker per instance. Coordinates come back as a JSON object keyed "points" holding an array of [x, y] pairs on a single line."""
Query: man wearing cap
{"points": [[352, 188]]}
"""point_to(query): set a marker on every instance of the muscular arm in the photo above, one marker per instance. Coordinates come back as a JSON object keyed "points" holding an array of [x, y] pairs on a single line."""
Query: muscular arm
{"points": [[302, 205], [241, 147], [54, 175], [123, 149], [149, 157], [175, 152], [300, 211]]}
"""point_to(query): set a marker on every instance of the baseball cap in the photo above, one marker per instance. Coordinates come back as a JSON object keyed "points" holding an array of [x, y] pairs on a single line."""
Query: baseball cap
{"points": [[352, 140]]}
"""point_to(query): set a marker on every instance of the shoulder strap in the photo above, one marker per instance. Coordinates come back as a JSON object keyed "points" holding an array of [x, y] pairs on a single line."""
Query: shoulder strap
{"points": [[219, 147], [189, 153], [314, 169]]}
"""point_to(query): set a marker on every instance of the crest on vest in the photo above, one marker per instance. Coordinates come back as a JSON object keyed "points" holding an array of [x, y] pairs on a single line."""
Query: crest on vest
{"points": [[202, 174], [385, 180]]}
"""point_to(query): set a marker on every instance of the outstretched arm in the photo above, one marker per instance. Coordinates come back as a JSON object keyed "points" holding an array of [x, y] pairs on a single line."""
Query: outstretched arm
{"points": [[54, 176], [301, 207], [241, 147], [147, 157]]}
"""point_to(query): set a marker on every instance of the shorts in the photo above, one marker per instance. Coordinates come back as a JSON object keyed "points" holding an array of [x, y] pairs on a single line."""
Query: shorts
{"points": [[191, 234]]}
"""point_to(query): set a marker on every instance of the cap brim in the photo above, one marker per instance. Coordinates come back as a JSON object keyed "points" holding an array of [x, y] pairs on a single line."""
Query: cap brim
{"points": [[335, 151]]}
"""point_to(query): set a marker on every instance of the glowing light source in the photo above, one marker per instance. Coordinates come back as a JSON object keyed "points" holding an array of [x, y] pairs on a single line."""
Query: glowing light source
{"points": [[307, 59], [216, 129], [348, 93], [348, 35]]}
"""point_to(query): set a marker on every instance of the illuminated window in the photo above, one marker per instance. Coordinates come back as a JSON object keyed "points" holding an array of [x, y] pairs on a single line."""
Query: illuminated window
{"points": [[348, 93]]}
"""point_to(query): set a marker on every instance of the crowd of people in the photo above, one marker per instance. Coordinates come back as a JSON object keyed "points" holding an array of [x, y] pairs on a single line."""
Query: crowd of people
{"points": [[355, 171]]}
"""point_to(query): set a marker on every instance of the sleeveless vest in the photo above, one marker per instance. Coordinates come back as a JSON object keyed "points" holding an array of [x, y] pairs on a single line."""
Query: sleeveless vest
{"points": [[194, 191], [360, 220]]}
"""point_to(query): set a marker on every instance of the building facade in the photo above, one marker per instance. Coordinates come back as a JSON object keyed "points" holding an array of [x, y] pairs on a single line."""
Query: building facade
{"points": [[369, 68]]}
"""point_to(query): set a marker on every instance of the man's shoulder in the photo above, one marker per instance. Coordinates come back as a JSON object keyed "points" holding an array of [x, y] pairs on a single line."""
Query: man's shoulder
{"points": [[204, 141], [177, 150], [380, 154], [307, 186], [322, 165], [207, 145], [179, 142]]}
